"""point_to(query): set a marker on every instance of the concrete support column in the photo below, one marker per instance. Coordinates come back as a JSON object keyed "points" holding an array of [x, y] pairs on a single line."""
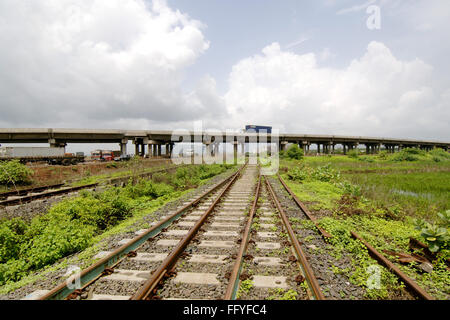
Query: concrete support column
{"points": [[318, 148], [344, 147], [167, 149], [123, 149], [235, 150], [215, 149], [159, 150], [224, 153], [304, 145], [243, 148]]}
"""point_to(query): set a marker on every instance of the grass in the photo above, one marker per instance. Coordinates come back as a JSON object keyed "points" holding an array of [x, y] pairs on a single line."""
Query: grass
{"points": [[379, 197], [75, 224]]}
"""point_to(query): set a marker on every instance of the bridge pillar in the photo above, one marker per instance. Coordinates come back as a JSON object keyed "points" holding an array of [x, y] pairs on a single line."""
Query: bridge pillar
{"points": [[215, 149], [283, 145], [57, 144], [123, 147], [243, 148], [159, 150], [330, 148], [235, 150]]}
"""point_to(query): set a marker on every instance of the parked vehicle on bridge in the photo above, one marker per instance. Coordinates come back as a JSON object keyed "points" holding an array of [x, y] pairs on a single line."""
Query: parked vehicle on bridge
{"points": [[54, 156], [257, 129]]}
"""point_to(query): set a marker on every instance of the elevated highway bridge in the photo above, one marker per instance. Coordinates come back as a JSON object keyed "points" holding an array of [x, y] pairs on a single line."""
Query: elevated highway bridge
{"points": [[155, 139]]}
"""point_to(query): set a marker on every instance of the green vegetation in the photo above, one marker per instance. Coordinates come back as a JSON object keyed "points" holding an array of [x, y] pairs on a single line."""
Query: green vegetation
{"points": [[244, 288], [436, 236], [72, 225], [353, 154], [386, 199], [282, 294], [13, 172], [293, 152]]}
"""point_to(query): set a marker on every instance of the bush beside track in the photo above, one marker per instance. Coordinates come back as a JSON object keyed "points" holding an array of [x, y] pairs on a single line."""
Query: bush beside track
{"points": [[70, 225]]}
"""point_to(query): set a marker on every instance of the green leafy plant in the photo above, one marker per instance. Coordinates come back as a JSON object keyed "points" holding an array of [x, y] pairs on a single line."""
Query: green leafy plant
{"points": [[436, 236], [353, 154], [294, 152], [13, 172]]}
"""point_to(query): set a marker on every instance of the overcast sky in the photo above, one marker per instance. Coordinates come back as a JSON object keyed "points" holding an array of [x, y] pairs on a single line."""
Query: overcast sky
{"points": [[312, 67]]}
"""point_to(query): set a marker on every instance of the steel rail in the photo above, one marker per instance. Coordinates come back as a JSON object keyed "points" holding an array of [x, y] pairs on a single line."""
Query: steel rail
{"points": [[410, 283], [146, 174], [310, 277], [304, 209], [150, 285], [29, 198], [233, 283], [22, 192], [93, 272]]}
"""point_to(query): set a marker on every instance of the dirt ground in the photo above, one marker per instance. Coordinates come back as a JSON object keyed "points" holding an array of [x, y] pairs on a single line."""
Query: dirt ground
{"points": [[53, 174]]}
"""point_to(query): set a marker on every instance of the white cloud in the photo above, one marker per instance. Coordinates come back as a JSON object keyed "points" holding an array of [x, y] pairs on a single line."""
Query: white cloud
{"points": [[375, 95], [73, 62]]}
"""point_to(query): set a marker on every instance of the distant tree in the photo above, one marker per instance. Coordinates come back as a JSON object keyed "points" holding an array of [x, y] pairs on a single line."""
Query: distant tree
{"points": [[294, 152]]}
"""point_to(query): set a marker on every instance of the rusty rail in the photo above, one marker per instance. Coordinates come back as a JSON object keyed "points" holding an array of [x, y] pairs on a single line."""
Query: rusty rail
{"points": [[90, 274], [29, 198], [147, 290], [233, 283], [310, 277], [22, 192], [304, 209], [410, 283]]}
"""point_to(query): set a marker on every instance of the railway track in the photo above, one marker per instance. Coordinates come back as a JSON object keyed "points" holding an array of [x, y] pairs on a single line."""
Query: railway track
{"points": [[412, 285], [212, 247], [234, 241], [27, 195], [22, 192]]}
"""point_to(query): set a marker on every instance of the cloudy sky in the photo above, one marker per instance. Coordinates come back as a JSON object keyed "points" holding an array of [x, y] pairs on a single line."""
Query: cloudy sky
{"points": [[314, 67]]}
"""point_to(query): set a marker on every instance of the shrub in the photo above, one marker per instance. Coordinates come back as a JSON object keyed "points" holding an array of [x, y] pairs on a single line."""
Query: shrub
{"points": [[294, 152], [10, 243], [439, 155], [405, 156], [436, 235], [13, 172], [110, 165], [382, 155], [353, 153], [297, 174], [325, 173]]}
